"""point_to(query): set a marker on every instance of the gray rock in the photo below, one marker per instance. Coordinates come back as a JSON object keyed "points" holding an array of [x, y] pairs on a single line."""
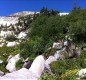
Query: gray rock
{"points": [[82, 74], [27, 64], [1, 61], [1, 73], [11, 66]]}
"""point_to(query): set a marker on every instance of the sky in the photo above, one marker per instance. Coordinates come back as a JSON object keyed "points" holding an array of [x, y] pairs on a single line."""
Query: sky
{"points": [[8, 7]]}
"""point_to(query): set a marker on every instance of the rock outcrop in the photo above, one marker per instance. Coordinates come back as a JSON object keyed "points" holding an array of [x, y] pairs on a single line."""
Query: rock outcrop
{"points": [[82, 74], [11, 66]]}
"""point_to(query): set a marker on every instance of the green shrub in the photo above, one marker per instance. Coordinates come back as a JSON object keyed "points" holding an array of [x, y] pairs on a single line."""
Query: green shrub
{"points": [[3, 67], [32, 47], [4, 53], [11, 38], [49, 52], [46, 76], [65, 70], [83, 59], [19, 64]]}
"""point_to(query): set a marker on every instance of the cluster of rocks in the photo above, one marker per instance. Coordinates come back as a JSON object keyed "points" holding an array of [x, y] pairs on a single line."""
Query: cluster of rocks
{"points": [[5, 34], [9, 27], [11, 66], [81, 74]]}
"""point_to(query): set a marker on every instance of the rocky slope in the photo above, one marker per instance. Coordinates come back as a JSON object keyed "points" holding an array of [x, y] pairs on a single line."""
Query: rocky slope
{"points": [[13, 18], [9, 26]]}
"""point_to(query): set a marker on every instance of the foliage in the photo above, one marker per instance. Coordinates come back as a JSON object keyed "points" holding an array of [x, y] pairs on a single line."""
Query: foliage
{"points": [[3, 67], [19, 64], [49, 52], [47, 29], [45, 11], [4, 53], [77, 24], [46, 76], [31, 48], [66, 69], [24, 21]]}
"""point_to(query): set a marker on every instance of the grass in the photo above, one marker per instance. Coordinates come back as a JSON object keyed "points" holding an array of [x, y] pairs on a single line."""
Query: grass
{"points": [[63, 69], [66, 69], [4, 53]]}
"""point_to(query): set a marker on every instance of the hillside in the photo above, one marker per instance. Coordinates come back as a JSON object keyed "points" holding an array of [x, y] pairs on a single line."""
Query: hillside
{"points": [[26, 35]]}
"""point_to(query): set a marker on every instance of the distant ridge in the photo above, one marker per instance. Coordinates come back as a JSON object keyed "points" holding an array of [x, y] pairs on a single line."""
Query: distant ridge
{"points": [[13, 18], [24, 13]]}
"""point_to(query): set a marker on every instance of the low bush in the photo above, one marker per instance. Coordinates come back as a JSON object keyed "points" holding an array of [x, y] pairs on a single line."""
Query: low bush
{"points": [[3, 67], [4, 53], [19, 64], [46, 76], [11, 38]]}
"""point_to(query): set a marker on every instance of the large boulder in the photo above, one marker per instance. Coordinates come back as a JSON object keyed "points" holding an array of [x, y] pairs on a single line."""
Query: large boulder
{"points": [[11, 66], [38, 65], [50, 60], [22, 35], [33, 73], [82, 73]]}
